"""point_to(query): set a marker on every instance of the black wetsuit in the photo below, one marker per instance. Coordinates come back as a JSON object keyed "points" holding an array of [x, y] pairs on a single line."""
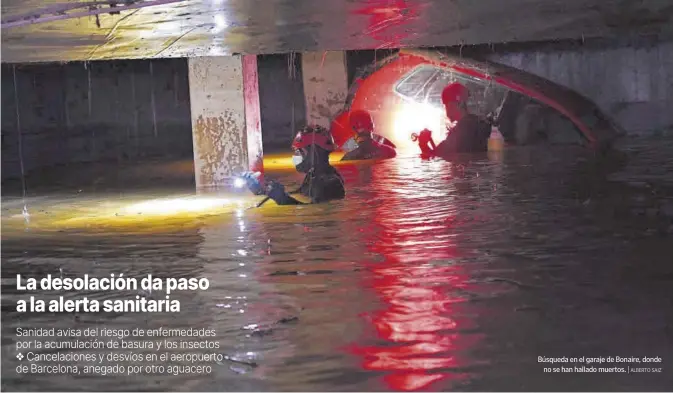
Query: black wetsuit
{"points": [[470, 135], [320, 187]]}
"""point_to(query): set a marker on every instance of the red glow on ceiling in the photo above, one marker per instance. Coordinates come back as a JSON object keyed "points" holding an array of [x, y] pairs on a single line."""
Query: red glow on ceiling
{"points": [[385, 19]]}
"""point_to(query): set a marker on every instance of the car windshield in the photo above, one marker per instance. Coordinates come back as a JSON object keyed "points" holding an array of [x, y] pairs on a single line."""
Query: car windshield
{"points": [[417, 84], [424, 85]]}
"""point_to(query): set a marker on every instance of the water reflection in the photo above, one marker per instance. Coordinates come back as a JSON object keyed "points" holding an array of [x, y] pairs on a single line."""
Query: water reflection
{"points": [[419, 280], [429, 275]]}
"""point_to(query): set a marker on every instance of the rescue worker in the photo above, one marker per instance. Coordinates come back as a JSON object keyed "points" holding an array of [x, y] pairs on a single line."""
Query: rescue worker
{"points": [[312, 147], [425, 142], [363, 125], [470, 133]]}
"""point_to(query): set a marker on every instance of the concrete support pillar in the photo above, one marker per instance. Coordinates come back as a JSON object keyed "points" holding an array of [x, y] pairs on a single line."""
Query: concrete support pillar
{"points": [[226, 131], [325, 85]]}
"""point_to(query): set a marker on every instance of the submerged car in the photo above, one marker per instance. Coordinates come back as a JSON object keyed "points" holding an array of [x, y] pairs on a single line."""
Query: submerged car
{"points": [[403, 95]]}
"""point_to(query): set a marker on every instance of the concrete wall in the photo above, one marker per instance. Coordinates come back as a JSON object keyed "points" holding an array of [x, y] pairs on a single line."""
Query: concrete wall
{"points": [[225, 118], [94, 112], [633, 81], [325, 85]]}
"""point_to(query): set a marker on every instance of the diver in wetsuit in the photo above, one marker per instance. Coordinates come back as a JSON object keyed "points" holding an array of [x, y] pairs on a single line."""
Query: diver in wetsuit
{"points": [[322, 182], [470, 133], [362, 124]]}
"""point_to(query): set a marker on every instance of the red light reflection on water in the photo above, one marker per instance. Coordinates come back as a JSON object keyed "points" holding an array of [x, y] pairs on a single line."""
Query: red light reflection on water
{"points": [[418, 343]]}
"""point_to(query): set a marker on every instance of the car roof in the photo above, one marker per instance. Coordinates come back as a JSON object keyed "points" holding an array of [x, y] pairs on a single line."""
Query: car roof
{"points": [[525, 82]]}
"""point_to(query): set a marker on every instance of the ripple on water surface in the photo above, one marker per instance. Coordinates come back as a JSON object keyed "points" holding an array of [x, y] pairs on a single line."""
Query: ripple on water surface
{"points": [[430, 275]]}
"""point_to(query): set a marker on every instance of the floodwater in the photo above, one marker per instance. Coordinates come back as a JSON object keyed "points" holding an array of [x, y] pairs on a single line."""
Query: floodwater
{"points": [[430, 275]]}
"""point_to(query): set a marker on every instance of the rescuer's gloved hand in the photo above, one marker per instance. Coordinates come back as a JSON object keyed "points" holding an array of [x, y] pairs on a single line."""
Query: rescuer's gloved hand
{"points": [[252, 181]]}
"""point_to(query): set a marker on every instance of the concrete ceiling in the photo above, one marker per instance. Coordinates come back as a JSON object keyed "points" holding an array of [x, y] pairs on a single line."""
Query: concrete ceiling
{"points": [[145, 29]]}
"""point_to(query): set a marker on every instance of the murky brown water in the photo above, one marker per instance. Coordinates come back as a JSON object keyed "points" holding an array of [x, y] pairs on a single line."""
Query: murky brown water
{"points": [[429, 276]]}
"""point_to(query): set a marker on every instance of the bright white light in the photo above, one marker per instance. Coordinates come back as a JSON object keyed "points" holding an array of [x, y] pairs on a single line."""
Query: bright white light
{"points": [[168, 206], [216, 50], [412, 118], [25, 214], [220, 23], [239, 183]]}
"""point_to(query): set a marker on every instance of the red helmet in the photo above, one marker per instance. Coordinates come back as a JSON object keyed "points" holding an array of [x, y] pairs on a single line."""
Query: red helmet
{"points": [[455, 92], [313, 135], [360, 120]]}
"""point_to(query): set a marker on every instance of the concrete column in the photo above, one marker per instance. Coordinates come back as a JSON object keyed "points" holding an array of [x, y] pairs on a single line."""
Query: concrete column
{"points": [[325, 85], [226, 131]]}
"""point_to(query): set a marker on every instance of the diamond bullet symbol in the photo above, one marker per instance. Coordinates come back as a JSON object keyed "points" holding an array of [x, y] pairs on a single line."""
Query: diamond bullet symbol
{"points": [[19, 356]]}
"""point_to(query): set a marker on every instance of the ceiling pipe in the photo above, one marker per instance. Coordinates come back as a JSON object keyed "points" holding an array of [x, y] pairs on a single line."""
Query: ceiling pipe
{"points": [[37, 18]]}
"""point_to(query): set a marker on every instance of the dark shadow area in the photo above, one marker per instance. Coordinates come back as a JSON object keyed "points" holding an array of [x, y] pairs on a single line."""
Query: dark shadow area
{"points": [[358, 60], [281, 99], [94, 117]]}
